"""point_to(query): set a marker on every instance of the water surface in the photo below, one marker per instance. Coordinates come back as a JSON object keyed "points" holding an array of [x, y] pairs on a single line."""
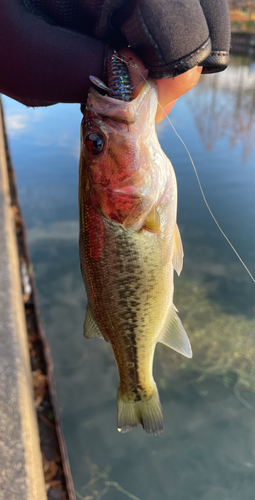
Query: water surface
{"points": [[207, 449]]}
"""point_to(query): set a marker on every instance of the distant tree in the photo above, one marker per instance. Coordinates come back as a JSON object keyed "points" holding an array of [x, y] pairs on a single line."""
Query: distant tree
{"points": [[247, 5]]}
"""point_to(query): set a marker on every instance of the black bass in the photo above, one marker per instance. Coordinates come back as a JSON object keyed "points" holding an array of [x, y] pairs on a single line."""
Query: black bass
{"points": [[129, 246]]}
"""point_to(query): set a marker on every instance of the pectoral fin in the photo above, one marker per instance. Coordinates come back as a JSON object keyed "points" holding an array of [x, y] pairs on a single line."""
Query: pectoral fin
{"points": [[175, 335], [178, 251], [90, 328], [152, 221]]}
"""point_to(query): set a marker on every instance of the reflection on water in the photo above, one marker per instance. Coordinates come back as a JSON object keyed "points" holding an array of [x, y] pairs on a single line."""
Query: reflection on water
{"points": [[206, 450], [224, 106]]}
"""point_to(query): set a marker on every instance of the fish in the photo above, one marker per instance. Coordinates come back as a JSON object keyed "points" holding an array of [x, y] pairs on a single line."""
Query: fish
{"points": [[129, 246]]}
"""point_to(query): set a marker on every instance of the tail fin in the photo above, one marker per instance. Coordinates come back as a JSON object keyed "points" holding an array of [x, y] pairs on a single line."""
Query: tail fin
{"points": [[147, 413]]}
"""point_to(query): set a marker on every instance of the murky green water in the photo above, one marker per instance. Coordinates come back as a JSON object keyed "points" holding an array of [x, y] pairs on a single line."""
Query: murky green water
{"points": [[207, 449]]}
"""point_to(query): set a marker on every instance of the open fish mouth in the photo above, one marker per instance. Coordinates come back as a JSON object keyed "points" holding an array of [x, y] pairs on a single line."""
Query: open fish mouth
{"points": [[118, 81], [119, 84]]}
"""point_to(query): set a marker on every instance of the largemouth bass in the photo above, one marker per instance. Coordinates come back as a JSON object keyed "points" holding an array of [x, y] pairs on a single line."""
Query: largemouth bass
{"points": [[129, 246]]}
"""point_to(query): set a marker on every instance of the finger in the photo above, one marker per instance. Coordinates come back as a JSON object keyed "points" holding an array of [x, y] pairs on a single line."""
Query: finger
{"points": [[170, 89]]}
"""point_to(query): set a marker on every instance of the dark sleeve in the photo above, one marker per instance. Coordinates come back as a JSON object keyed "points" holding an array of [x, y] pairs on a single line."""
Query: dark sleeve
{"points": [[46, 55], [41, 63], [173, 36]]}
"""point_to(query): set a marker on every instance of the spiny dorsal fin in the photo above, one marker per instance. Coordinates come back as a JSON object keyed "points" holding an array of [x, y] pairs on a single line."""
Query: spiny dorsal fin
{"points": [[178, 251], [175, 336], [90, 328], [152, 221]]}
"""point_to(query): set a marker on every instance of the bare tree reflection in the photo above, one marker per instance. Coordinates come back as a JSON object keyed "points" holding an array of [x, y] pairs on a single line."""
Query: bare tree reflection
{"points": [[224, 106]]}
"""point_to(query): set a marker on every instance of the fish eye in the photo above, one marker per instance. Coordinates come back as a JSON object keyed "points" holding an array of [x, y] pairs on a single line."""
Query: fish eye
{"points": [[95, 143]]}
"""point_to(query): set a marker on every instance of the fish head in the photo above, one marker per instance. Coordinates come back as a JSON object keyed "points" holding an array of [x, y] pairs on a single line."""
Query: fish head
{"points": [[120, 156], [115, 135]]}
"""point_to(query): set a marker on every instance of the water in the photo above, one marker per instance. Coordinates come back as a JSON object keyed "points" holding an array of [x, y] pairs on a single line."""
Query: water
{"points": [[207, 449]]}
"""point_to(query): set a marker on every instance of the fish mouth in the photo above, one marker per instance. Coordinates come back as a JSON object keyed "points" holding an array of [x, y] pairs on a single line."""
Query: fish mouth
{"points": [[119, 85], [116, 113], [117, 110], [115, 100], [117, 94]]}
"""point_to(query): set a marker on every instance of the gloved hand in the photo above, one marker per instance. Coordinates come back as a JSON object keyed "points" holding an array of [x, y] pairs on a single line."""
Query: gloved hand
{"points": [[173, 36], [47, 53], [169, 89]]}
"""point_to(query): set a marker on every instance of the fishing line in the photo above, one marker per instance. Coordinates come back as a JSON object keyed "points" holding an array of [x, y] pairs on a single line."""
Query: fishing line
{"points": [[202, 192], [205, 200]]}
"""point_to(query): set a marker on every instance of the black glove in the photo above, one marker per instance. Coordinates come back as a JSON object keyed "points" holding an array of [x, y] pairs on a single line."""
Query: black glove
{"points": [[172, 36], [42, 63], [49, 48]]}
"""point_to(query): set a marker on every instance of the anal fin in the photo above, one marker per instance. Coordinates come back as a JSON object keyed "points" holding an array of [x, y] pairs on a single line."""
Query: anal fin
{"points": [[90, 328], [175, 335]]}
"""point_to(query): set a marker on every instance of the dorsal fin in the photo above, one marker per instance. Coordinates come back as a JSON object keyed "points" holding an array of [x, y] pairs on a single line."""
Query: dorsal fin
{"points": [[90, 328], [177, 251], [175, 335]]}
